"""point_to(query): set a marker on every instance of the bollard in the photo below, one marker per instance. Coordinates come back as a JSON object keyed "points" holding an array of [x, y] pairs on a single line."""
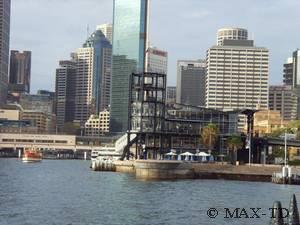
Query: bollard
{"points": [[85, 155], [19, 153], [293, 218], [277, 214]]}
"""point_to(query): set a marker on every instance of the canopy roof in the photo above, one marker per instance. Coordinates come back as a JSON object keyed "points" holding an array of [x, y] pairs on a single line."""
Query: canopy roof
{"points": [[187, 154], [202, 154]]}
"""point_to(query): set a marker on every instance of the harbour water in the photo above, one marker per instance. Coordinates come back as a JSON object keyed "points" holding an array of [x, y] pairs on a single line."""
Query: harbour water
{"points": [[68, 192]]}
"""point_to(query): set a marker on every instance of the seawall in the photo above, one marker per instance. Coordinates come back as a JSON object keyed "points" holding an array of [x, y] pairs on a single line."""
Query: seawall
{"points": [[172, 170]]}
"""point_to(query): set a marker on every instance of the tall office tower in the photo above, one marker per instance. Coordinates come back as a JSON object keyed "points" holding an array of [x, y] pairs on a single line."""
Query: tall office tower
{"points": [[171, 95], [288, 72], [107, 30], [156, 60], [191, 82], [229, 33], [93, 62], [237, 75], [291, 75], [282, 98], [4, 48], [129, 49], [296, 69], [20, 70], [65, 90]]}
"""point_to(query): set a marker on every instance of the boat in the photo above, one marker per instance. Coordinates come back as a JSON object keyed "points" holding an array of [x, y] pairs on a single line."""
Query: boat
{"points": [[31, 155], [105, 152]]}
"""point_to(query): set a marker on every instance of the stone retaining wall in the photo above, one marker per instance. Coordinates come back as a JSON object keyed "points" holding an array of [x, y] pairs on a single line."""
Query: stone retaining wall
{"points": [[166, 170]]}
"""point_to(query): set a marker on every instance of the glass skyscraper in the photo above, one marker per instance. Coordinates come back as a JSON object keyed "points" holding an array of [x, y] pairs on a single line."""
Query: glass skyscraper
{"points": [[129, 49], [93, 75], [4, 48], [101, 70]]}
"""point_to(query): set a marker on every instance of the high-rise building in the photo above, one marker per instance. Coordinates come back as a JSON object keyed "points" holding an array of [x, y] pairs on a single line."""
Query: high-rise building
{"points": [[296, 69], [4, 48], [191, 82], [129, 49], [84, 75], [156, 60], [230, 33], [107, 30], [20, 71], [291, 75], [171, 95], [65, 89], [288, 72], [237, 76], [284, 99], [93, 76]]}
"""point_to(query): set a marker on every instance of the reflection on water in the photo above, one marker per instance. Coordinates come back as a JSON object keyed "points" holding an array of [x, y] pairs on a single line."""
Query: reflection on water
{"points": [[68, 192]]}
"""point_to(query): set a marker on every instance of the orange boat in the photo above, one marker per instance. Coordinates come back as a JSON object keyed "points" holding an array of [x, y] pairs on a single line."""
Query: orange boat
{"points": [[32, 156]]}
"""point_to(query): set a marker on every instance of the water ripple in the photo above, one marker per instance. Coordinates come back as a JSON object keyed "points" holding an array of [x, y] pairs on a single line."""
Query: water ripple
{"points": [[68, 193]]}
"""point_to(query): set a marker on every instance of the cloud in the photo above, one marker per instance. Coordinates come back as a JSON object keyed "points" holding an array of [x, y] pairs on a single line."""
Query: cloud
{"points": [[54, 28]]}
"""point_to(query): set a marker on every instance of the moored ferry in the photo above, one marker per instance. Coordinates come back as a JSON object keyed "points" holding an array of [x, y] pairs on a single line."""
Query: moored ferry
{"points": [[32, 156]]}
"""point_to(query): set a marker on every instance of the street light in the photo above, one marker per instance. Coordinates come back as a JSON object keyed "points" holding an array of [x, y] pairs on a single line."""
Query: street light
{"points": [[285, 149]]}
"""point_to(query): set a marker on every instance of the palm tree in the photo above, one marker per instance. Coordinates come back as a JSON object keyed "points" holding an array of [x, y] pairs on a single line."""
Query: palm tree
{"points": [[234, 143], [209, 136]]}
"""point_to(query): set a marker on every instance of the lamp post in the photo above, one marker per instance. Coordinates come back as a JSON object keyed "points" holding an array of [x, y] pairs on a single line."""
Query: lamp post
{"points": [[250, 143], [285, 149]]}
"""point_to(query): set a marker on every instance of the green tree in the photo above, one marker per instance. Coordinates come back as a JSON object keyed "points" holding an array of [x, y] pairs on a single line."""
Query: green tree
{"points": [[71, 128], [292, 128], [209, 136], [234, 143]]}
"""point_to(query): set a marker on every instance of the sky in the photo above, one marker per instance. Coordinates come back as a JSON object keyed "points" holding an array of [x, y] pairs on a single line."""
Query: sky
{"points": [[52, 29]]}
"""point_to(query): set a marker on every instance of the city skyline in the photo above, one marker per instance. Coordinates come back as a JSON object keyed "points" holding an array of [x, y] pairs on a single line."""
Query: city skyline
{"points": [[199, 26]]}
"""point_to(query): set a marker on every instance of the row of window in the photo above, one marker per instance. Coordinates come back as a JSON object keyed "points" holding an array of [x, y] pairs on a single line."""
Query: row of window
{"points": [[35, 141]]}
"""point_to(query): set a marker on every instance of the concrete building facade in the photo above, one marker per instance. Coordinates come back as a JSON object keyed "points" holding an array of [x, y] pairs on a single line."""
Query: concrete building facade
{"points": [[39, 119], [84, 70], [296, 69], [237, 76], [266, 122], [288, 72], [65, 90], [191, 75], [10, 114], [97, 125], [230, 33], [291, 75], [283, 99], [20, 72], [171, 95], [156, 60], [37, 106], [93, 66], [4, 48]]}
